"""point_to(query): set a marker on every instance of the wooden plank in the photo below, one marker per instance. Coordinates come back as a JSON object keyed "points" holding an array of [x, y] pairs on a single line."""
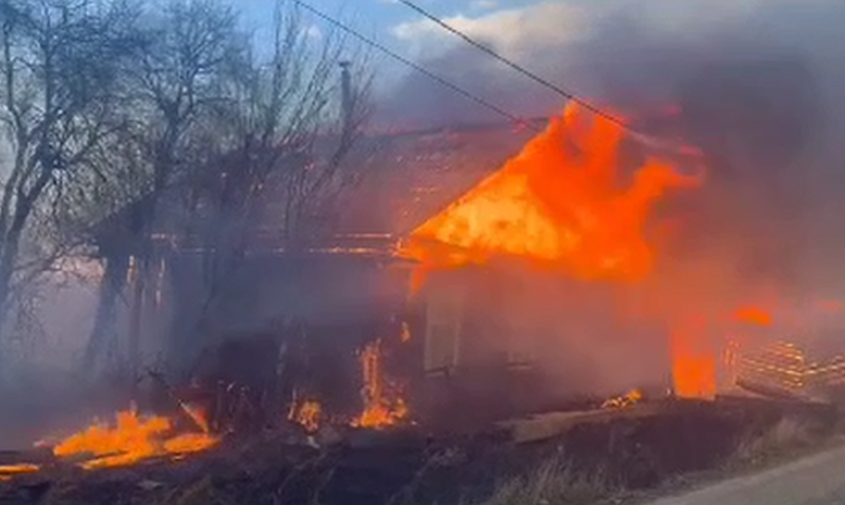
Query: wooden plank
{"points": [[545, 426]]}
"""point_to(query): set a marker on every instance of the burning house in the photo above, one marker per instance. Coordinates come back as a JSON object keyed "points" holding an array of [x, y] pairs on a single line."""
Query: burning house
{"points": [[510, 269], [522, 283], [530, 270], [481, 266], [338, 300], [490, 272]]}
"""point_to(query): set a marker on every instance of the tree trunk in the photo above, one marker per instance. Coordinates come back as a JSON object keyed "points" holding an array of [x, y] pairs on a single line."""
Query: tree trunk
{"points": [[8, 258], [187, 304], [136, 314], [3, 313], [114, 280]]}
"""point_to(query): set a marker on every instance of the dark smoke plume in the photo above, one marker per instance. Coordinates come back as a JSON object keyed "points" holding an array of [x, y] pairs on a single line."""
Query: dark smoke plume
{"points": [[757, 90], [758, 95]]}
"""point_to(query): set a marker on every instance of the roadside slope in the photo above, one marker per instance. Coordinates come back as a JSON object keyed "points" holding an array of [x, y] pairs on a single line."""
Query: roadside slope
{"points": [[814, 480]]}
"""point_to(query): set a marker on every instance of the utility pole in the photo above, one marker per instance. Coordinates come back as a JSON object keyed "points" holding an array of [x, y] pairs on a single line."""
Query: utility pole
{"points": [[346, 90]]}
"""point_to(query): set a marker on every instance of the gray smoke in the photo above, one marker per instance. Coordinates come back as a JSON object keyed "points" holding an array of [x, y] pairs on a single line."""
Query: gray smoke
{"points": [[757, 88], [420, 102], [759, 94]]}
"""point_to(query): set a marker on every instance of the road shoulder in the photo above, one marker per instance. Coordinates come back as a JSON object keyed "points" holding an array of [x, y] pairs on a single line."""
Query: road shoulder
{"points": [[810, 478]]}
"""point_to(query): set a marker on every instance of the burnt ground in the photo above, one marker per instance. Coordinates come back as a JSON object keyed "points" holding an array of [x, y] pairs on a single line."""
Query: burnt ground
{"points": [[408, 467]]}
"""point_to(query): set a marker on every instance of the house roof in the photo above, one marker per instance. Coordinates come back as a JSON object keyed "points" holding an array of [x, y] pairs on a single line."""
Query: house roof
{"points": [[404, 178]]}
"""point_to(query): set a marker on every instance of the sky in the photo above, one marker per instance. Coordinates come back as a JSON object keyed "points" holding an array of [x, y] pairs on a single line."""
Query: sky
{"points": [[568, 42], [518, 29], [514, 27], [406, 32], [382, 17], [511, 26]]}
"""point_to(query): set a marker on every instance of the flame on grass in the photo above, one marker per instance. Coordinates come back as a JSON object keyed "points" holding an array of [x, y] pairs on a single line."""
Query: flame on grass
{"points": [[131, 439]]}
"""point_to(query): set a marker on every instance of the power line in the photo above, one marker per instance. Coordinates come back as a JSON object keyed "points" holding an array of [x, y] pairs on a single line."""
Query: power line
{"points": [[431, 75], [515, 66]]}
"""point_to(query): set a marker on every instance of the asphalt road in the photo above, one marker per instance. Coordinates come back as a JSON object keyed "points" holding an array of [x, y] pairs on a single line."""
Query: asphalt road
{"points": [[815, 480]]}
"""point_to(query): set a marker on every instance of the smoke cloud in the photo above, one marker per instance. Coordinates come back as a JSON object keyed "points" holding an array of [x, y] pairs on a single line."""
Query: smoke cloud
{"points": [[754, 85]]}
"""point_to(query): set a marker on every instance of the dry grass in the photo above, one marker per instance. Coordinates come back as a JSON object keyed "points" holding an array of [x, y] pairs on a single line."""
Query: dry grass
{"points": [[552, 483], [784, 438]]}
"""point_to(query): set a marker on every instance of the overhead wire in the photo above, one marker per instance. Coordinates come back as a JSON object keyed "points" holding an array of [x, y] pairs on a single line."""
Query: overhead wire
{"points": [[515, 66], [419, 68]]}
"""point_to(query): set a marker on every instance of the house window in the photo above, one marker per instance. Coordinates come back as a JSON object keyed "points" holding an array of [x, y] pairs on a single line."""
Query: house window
{"points": [[444, 321]]}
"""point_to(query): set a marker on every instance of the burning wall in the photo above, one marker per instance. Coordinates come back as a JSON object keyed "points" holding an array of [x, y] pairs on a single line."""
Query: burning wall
{"points": [[575, 207], [571, 206], [572, 336], [755, 86]]}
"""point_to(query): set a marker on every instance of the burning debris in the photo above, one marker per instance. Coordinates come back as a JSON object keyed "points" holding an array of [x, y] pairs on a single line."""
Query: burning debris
{"points": [[759, 356], [620, 402], [784, 368], [780, 365], [306, 413]]}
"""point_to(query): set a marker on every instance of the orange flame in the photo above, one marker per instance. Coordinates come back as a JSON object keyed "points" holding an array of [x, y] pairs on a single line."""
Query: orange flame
{"points": [[628, 399], [7, 472], [131, 440], [383, 405], [754, 316], [693, 359], [307, 414], [558, 202], [562, 203], [19, 468]]}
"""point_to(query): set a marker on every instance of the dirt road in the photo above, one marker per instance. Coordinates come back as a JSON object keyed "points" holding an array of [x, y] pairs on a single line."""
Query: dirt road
{"points": [[814, 480]]}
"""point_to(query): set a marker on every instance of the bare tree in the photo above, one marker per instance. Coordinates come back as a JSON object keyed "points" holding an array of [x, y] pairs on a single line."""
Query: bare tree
{"points": [[283, 131], [60, 63], [209, 128], [172, 85]]}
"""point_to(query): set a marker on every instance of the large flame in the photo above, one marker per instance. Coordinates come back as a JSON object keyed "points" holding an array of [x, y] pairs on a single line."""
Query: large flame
{"points": [[133, 438], [562, 202], [559, 201]]}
